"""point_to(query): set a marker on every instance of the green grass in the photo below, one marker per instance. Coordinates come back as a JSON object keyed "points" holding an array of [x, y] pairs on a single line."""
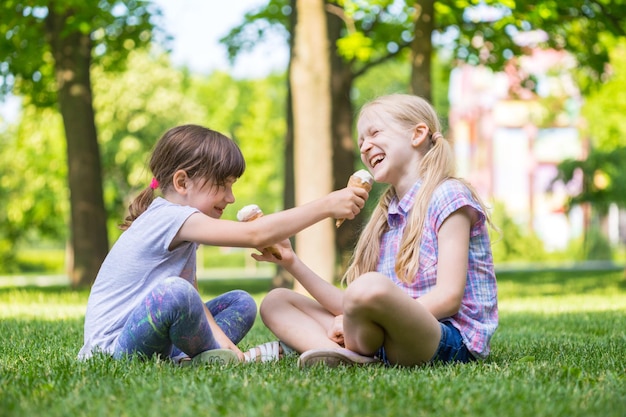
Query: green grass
{"points": [[46, 260], [560, 351]]}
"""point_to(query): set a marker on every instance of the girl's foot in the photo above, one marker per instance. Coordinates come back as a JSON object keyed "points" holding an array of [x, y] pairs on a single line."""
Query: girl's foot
{"points": [[212, 357], [334, 358]]}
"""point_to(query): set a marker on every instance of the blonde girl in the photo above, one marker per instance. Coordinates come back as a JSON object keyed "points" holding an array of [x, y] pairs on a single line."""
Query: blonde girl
{"points": [[421, 285]]}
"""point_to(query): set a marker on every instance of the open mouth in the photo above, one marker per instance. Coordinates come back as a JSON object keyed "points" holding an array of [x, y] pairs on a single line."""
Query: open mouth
{"points": [[376, 160]]}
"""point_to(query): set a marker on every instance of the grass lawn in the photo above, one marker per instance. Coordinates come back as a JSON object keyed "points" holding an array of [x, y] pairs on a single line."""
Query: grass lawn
{"points": [[560, 351]]}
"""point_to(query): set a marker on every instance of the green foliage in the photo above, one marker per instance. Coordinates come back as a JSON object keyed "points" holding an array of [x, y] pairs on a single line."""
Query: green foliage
{"points": [[379, 30], [375, 30], [388, 77], [41, 260], [393, 77], [510, 243], [605, 107], [216, 257], [603, 176], [603, 172], [27, 66], [33, 190], [271, 19], [558, 352], [133, 109], [597, 246], [251, 112], [586, 28]]}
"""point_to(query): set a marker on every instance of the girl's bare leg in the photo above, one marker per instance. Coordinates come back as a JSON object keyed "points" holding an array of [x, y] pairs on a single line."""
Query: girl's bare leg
{"points": [[378, 313], [300, 322]]}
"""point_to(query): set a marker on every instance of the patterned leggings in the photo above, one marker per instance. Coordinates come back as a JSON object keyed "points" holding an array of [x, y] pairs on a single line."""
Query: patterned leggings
{"points": [[171, 319]]}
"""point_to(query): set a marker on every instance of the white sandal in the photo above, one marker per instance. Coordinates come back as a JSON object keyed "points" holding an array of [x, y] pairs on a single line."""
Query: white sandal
{"points": [[267, 352]]}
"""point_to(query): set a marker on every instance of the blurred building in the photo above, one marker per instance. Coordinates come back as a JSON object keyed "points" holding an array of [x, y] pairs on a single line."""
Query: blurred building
{"points": [[511, 129]]}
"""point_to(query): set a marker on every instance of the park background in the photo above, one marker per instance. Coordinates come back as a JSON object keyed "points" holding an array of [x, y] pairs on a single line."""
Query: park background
{"points": [[529, 93]]}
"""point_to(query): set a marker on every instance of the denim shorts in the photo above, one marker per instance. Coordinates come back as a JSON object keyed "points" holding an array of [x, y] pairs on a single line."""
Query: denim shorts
{"points": [[451, 347]]}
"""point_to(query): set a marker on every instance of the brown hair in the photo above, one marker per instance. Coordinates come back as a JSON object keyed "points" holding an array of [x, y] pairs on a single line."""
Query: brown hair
{"points": [[201, 152], [437, 165]]}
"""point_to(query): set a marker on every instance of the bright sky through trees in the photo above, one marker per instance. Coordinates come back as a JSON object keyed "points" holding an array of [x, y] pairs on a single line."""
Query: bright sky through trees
{"points": [[197, 26]]}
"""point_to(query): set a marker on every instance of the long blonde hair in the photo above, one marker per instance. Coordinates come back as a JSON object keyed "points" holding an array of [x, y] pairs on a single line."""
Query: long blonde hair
{"points": [[436, 166]]}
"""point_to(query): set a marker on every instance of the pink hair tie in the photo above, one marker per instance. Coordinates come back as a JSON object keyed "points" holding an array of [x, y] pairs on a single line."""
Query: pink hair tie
{"points": [[154, 184], [436, 136]]}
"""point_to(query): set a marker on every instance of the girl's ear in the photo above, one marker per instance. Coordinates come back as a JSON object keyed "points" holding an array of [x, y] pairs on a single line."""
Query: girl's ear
{"points": [[180, 181], [420, 134]]}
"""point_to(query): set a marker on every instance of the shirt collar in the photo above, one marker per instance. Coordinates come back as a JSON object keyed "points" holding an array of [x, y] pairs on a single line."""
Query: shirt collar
{"points": [[400, 208]]}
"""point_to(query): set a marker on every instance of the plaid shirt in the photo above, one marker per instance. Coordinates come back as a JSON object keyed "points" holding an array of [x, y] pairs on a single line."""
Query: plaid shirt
{"points": [[477, 319]]}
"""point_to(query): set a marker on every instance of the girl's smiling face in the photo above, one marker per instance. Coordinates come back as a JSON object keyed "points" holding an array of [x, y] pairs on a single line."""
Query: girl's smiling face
{"points": [[209, 198], [386, 148]]}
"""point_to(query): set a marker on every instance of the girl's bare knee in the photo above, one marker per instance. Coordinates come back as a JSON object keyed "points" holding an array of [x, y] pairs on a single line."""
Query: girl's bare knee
{"points": [[366, 292], [275, 298]]}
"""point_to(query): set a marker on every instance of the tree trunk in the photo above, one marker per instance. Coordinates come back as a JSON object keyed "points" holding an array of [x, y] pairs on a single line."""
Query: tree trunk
{"points": [[344, 152], [310, 88], [282, 278], [72, 55], [422, 50]]}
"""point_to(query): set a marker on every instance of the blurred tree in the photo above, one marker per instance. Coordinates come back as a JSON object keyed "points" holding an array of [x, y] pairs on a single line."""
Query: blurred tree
{"points": [[309, 80], [258, 127], [133, 109], [602, 172], [588, 29], [604, 108], [47, 50], [33, 190], [513, 243], [363, 35], [603, 176]]}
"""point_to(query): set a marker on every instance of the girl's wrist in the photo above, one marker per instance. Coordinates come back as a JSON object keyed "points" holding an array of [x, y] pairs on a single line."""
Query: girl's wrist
{"points": [[326, 206], [292, 265]]}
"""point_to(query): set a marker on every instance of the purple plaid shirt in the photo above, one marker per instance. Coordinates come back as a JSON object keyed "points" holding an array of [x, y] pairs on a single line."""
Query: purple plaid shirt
{"points": [[477, 318]]}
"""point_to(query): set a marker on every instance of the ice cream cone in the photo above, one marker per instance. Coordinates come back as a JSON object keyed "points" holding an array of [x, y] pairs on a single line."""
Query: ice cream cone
{"points": [[361, 179], [253, 212]]}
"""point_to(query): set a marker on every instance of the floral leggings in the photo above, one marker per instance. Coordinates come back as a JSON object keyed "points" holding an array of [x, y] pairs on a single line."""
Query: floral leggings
{"points": [[171, 322]]}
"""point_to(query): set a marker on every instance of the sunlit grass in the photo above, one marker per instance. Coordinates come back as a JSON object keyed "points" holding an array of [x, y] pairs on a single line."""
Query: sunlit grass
{"points": [[45, 303], [559, 351], [560, 292]]}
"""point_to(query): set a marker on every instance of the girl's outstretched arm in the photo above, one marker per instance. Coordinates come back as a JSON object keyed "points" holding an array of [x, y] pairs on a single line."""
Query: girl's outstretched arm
{"points": [[271, 228]]}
